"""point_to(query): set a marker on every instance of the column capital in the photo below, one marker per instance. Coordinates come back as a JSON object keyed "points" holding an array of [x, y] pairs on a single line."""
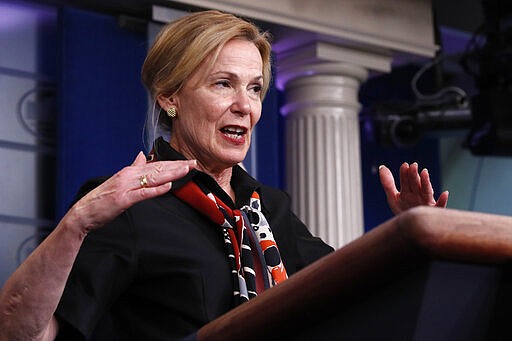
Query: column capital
{"points": [[319, 51], [323, 58], [327, 85], [286, 74]]}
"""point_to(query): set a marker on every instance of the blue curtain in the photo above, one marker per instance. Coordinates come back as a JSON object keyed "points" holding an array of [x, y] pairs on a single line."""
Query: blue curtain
{"points": [[102, 101]]}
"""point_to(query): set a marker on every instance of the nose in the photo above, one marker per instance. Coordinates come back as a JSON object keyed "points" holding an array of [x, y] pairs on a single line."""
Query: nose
{"points": [[241, 103]]}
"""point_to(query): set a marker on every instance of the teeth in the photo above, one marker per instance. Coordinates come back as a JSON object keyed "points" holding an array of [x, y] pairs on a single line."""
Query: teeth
{"points": [[234, 130], [234, 136]]}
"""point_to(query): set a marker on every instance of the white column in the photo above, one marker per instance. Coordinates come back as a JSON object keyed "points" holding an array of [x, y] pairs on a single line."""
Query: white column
{"points": [[323, 147]]}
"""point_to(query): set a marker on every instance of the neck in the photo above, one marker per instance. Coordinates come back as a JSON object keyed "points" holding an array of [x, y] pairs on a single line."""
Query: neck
{"points": [[223, 178], [221, 175]]}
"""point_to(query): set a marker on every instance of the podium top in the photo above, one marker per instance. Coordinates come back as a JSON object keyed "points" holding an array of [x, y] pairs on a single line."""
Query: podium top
{"points": [[388, 251]]}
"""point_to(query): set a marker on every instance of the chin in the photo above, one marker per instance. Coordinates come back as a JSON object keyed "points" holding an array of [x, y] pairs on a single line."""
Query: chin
{"points": [[234, 160], [230, 155]]}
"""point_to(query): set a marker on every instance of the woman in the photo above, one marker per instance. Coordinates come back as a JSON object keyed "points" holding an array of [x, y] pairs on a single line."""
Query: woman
{"points": [[135, 259]]}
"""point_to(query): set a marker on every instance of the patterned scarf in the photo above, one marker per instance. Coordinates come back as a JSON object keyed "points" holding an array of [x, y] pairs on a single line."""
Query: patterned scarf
{"points": [[250, 246]]}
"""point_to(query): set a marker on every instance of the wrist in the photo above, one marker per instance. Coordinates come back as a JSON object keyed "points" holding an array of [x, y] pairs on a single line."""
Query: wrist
{"points": [[73, 226]]}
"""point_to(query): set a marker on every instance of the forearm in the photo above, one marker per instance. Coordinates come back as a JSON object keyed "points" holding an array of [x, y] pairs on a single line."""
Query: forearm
{"points": [[30, 297]]}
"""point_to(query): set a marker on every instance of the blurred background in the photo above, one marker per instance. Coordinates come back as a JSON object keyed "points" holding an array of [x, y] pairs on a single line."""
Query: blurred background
{"points": [[72, 107]]}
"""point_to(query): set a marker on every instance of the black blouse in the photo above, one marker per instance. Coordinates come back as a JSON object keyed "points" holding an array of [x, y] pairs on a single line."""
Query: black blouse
{"points": [[159, 271]]}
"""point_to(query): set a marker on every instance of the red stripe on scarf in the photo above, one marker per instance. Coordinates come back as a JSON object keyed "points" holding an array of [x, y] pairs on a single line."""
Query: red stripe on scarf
{"points": [[193, 195]]}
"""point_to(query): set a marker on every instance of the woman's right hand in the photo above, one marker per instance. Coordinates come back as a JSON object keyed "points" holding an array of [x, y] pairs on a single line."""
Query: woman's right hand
{"points": [[124, 189]]}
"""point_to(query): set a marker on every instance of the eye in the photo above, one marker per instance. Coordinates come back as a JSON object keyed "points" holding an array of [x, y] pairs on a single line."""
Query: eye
{"points": [[256, 88], [223, 83]]}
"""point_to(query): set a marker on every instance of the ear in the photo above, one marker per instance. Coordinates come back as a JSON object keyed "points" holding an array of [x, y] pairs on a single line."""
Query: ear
{"points": [[165, 102]]}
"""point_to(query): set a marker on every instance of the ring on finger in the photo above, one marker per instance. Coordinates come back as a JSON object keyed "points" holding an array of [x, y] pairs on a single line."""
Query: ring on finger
{"points": [[143, 181]]}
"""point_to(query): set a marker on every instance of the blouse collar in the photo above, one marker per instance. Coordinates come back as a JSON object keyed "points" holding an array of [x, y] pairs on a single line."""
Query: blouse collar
{"points": [[241, 182]]}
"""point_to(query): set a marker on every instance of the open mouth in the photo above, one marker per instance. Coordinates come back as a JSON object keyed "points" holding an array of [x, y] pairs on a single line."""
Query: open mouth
{"points": [[234, 132]]}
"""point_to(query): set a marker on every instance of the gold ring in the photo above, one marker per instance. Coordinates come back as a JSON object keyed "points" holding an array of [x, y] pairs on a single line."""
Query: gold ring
{"points": [[143, 181]]}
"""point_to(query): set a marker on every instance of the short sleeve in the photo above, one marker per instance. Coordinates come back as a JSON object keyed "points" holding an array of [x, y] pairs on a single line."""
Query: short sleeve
{"points": [[104, 267], [310, 248]]}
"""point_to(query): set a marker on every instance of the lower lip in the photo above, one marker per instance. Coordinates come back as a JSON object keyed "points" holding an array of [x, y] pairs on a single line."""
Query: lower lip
{"points": [[237, 141]]}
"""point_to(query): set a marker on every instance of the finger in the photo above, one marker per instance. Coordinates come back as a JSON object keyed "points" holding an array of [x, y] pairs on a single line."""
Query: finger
{"points": [[426, 186], [387, 181], [404, 182], [413, 178], [443, 199], [159, 173], [171, 164], [173, 174], [148, 193], [388, 184], [159, 185], [137, 189], [169, 171]]}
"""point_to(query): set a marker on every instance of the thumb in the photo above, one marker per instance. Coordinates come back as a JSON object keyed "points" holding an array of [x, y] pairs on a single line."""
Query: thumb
{"points": [[140, 159], [443, 199], [387, 181]]}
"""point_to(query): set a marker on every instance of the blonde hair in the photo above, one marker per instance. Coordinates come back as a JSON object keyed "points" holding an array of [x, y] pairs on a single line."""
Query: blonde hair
{"points": [[181, 46]]}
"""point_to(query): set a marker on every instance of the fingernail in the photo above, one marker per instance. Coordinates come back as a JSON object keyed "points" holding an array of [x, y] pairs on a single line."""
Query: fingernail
{"points": [[381, 166]]}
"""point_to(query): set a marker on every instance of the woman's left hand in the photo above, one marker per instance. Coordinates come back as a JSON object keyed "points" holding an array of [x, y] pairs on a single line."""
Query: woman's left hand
{"points": [[415, 188]]}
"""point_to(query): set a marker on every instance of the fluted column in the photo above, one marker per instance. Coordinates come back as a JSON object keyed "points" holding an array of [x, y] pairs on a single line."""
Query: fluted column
{"points": [[323, 148]]}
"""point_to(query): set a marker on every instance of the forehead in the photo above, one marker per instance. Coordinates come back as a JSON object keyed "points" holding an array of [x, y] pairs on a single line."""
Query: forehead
{"points": [[239, 52], [236, 56]]}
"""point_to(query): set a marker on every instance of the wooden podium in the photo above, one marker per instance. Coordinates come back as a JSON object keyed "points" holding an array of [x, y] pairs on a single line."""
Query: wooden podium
{"points": [[427, 274]]}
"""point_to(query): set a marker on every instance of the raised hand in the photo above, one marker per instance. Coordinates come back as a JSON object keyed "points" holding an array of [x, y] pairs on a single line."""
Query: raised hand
{"points": [[134, 183], [415, 188]]}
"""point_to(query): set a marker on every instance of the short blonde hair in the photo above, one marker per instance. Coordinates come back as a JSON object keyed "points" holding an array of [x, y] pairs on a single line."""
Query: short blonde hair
{"points": [[181, 47]]}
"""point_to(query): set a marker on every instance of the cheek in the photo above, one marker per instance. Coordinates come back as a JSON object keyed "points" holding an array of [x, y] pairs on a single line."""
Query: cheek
{"points": [[212, 110], [203, 116], [256, 115]]}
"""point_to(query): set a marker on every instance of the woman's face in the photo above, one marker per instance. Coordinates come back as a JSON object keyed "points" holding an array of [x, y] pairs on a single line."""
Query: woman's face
{"points": [[218, 109]]}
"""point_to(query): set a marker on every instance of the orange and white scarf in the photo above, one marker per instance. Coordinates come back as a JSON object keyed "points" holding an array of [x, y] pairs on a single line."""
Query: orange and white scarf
{"points": [[250, 246]]}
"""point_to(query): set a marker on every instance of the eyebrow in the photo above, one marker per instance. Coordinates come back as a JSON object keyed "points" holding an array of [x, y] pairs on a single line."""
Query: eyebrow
{"points": [[233, 75]]}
